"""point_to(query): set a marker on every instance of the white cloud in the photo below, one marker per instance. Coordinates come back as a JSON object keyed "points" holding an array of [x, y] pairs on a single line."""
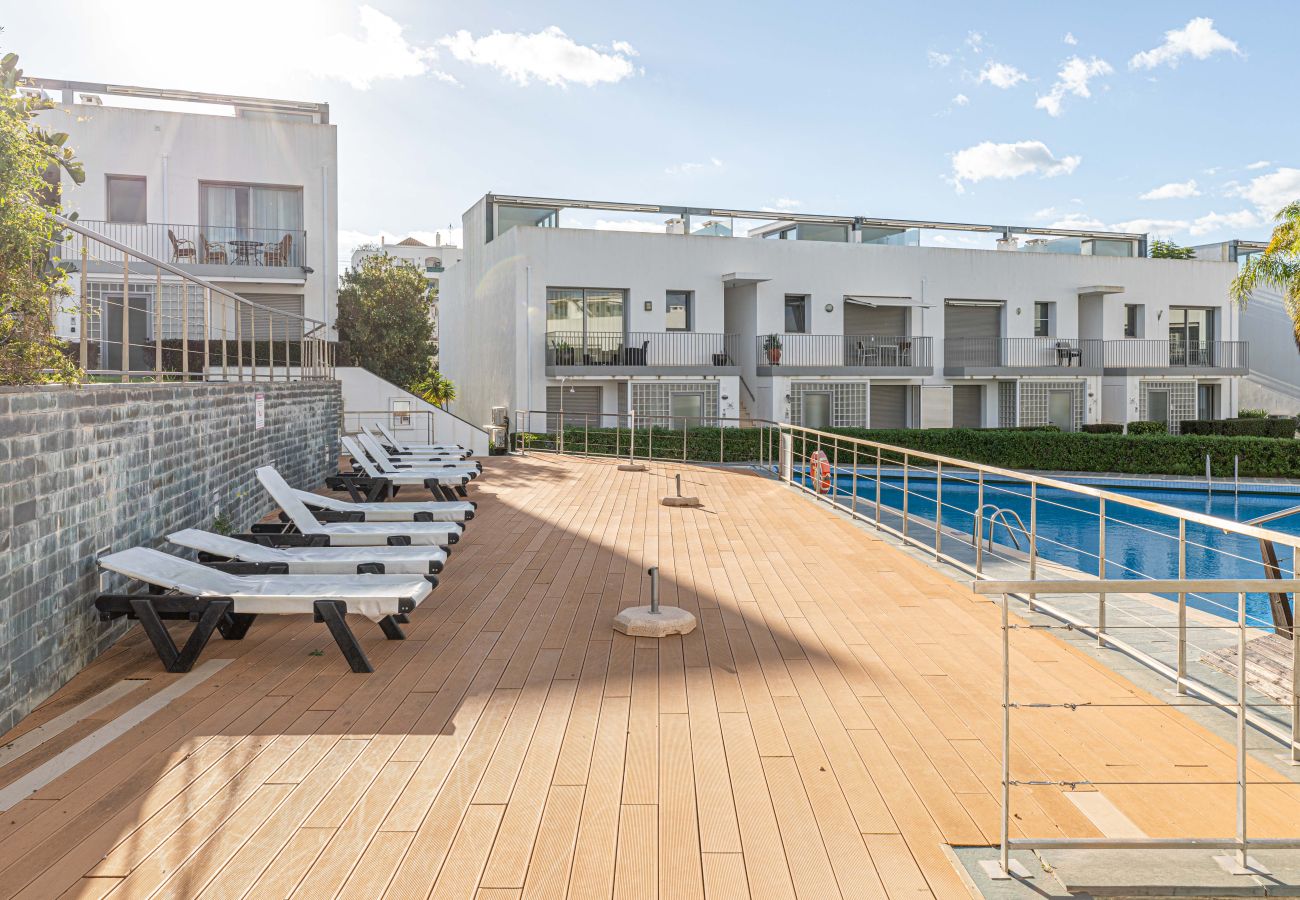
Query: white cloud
{"points": [[1073, 78], [1213, 221], [628, 225], [1262, 164], [1197, 39], [1174, 190], [1270, 192], [687, 168], [1001, 75], [975, 41], [785, 204], [999, 161], [939, 60], [1079, 222], [960, 100], [380, 53], [1151, 226], [549, 55], [1070, 38]]}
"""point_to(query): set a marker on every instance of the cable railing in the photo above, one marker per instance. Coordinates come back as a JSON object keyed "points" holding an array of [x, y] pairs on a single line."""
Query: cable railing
{"points": [[136, 316]]}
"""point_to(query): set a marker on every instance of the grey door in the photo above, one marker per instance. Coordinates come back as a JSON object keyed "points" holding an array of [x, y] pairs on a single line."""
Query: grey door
{"points": [[816, 409], [968, 406], [580, 403], [888, 406], [1158, 406], [140, 340], [1060, 409], [972, 335]]}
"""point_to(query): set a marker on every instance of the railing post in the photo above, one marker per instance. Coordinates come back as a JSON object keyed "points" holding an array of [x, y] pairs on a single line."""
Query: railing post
{"points": [[905, 492], [1180, 682], [685, 422], [1004, 852], [878, 454], [1033, 539], [1295, 696], [938, 509], [207, 331], [586, 441], [185, 331], [835, 469], [854, 483], [1241, 730], [288, 360], [1101, 572], [979, 523], [126, 317], [85, 315], [617, 443], [239, 341], [157, 325]]}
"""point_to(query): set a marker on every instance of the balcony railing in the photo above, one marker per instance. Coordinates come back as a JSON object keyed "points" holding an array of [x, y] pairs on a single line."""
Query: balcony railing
{"points": [[1022, 353], [641, 349], [1157, 354], [831, 351], [204, 245]]}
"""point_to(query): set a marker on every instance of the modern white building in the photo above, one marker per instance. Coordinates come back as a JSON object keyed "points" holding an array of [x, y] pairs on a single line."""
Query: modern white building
{"points": [[239, 190], [829, 320], [432, 260]]}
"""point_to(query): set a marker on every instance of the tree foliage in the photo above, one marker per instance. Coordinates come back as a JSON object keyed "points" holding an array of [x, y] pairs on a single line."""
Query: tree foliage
{"points": [[1169, 250], [1278, 266], [32, 285], [383, 319], [434, 387]]}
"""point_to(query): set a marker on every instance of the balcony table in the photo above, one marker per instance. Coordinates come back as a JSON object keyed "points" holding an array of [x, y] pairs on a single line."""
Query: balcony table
{"points": [[246, 252]]}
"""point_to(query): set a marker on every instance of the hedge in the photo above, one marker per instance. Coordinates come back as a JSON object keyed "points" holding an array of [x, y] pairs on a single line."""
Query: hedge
{"points": [[1104, 428], [1245, 426], [1158, 454], [1148, 427]]}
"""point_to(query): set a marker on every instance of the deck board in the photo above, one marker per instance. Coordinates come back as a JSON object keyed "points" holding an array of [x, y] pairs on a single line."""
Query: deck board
{"points": [[831, 724]]}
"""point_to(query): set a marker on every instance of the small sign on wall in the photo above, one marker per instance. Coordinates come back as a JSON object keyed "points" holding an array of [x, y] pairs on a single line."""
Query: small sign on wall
{"points": [[259, 411]]}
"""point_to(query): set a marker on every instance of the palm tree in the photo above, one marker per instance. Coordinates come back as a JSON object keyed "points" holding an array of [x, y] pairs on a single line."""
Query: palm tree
{"points": [[434, 387], [1278, 266]]}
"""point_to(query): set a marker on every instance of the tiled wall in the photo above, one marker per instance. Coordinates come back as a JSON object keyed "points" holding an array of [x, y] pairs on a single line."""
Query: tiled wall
{"points": [[653, 404], [848, 401], [1182, 401], [106, 467]]}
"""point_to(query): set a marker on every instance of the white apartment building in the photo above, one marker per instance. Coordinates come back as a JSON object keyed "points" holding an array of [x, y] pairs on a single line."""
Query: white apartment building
{"points": [[432, 260], [829, 320], [239, 190]]}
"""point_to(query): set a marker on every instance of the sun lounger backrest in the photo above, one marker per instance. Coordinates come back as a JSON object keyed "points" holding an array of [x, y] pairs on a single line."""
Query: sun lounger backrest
{"points": [[320, 501], [166, 571], [388, 436], [377, 453], [359, 456], [294, 508], [223, 545]]}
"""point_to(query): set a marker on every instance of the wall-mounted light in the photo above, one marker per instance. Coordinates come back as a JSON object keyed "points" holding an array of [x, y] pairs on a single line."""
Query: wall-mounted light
{"points": [[1160, 314], [830, 307], [1017, 310], [649, 305]]}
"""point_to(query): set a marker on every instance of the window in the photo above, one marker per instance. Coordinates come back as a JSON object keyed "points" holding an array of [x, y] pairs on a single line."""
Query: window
{"points": [[796, 313], [686, 409], [589, 311], [401, 410], [1043, 316], [248, 211], [678, 311], [126, 199], [1158, 406], [1133, 320]]}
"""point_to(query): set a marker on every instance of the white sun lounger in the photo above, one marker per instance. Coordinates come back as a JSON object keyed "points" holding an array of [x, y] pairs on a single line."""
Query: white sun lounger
{"points": [[439, 484], [404, 447], [220, 601], [354, 534], [389, 463], [386, 439], [394, 511], [316, 560]]}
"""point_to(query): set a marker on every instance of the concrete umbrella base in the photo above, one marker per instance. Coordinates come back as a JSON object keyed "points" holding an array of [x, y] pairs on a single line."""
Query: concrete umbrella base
{"points": [[638, 621]]}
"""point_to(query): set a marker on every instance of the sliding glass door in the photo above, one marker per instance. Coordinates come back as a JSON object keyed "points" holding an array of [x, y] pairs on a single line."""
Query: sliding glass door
{"points": [[585, 326], [1190, 336]]}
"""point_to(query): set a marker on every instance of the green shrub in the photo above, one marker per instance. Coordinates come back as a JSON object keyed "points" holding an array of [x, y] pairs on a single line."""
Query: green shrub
{"points": [[1141, 427], [1252, 414], [1104, 428], [1242, 427]]}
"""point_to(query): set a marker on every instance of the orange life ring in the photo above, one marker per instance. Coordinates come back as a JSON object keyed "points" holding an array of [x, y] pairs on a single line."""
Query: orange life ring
{"points": [[819, 470]]}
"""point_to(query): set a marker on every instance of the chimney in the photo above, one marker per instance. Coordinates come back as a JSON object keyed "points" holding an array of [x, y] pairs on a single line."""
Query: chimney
{"points": [[675, 225]]}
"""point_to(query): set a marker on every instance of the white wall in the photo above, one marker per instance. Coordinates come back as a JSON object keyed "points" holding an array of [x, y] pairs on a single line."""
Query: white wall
{"points": [[368, 399], [174, 151]]}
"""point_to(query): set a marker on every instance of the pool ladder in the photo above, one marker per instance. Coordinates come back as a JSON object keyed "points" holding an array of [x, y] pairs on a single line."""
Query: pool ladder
{"points": [[1000, 513], [1280, 605]]}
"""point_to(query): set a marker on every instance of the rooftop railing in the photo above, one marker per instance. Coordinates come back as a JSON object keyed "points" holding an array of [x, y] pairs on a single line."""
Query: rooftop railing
{"points": [[143, 317], [641, 349], [203, 245]]}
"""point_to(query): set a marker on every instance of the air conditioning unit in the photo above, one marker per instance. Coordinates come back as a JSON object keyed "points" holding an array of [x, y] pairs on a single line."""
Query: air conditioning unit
{"points": [[499, 415]]}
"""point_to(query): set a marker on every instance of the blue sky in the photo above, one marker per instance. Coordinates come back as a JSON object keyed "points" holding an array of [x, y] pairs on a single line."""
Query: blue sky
{"points": [[1142, 116]]}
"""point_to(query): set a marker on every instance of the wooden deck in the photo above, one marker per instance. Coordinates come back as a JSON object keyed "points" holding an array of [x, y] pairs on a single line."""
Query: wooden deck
{"points": [[829, 727]]}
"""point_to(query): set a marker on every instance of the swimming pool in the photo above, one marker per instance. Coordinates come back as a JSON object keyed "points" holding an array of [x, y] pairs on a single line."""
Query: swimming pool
{"points": [[1139, 543]]}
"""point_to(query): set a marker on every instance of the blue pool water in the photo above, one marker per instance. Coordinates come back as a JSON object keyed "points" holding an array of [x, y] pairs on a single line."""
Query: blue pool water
{"points": [[1139, 543]]}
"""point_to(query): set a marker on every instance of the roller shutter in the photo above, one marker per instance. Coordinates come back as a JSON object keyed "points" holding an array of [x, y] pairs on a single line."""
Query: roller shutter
{"points": [[580, 403], [888, 406], [885, 320], [968, 406]]}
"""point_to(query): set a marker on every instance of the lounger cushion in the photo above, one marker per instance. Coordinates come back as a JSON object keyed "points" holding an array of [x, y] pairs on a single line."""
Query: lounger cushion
{"points": [[380, 456], [372, 596], [314, 560], [392, 511], [399, 478], [406, 445]]}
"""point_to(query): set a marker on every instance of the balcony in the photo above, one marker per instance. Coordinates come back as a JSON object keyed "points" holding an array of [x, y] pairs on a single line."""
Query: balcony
{"points": [[1155, 357], [975, 356], [640, 353], [844, 354], [211, 251]]}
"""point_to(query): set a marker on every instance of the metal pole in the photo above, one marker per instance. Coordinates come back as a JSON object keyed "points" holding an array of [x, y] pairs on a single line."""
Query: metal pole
{"points": [[157, 326], [1101, 571], [1241, 729], [1236, 473], [835, 469], [854, 483], [85, 314], [679, 484], [586, 445], [126, 317], [1033, 538], [1209, 485], [185, 331], [288, 362], [631, 436], [1005, 850], [877, 488], [938, 508], [207, 330], [685, 422], [239, 341], [905, 489], [1180, 684], [617, 443], [653, 572], [1295, 695], [979, 523]]}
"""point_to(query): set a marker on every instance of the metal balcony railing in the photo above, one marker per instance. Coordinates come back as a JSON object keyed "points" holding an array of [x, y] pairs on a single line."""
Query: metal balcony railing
{"points": [[1022, 353], [1157, 354], [844, 350], [211, 245], [638, 349]]}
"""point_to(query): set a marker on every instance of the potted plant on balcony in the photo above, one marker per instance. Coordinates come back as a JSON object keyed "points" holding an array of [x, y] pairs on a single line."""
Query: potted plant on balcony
{"points": [[772, 346], [564, 355]]}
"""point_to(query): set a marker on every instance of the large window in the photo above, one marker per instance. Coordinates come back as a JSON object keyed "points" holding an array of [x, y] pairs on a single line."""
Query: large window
{"points": [[796, 313], [1190, 331], [1133, 320], [1043, 315], [249, 211], [584, 311], [678, 311], [126, 199], [686, 409]]}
